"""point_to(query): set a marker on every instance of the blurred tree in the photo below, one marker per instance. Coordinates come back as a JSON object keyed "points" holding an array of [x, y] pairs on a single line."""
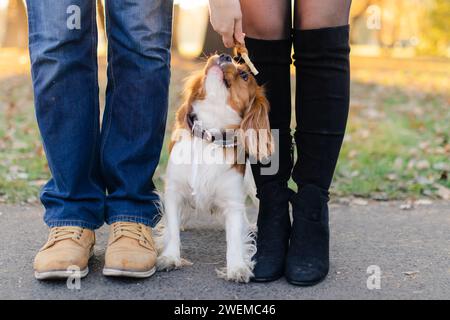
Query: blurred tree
{"points": [[16, 28], [435, 36], [420, 25]]}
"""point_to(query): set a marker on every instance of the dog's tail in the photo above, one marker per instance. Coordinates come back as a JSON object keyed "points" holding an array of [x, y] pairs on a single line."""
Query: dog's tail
{"points": [[249, 184]]}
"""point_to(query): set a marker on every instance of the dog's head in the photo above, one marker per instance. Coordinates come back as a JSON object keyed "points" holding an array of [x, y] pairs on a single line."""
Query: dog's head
{"points": [[232, 85]]}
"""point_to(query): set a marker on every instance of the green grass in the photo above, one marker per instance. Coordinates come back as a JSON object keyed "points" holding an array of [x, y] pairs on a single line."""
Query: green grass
{"points": [[402, 154], [397, 144], [23, 167]]}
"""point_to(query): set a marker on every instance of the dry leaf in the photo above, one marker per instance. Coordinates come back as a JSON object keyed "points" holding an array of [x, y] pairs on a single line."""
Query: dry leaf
{"points": [[407, 206], [398, 163], [441, 166], [423, 202], [360, 202], [443, 192], [423, 165], [352, 154], [392, 176]]}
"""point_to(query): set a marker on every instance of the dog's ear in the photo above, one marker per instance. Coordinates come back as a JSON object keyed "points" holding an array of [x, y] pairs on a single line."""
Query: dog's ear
{"points": [[193, 90], [182, 115], [255, 127]]}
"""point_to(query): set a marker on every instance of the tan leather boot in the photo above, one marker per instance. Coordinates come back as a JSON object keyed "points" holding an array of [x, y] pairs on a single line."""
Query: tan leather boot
{"points": [[131, 251], [67, 251]]}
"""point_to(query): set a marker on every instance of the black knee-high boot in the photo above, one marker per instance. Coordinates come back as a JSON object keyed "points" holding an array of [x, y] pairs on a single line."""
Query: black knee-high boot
{"points": [[322, 104], [272, 58]]}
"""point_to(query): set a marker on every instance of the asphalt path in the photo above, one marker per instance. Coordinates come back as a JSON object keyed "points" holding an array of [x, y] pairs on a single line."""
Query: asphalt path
{"points": [[408, 249]]}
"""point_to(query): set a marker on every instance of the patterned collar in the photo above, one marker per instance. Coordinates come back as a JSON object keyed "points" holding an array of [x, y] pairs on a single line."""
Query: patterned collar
{"points": [[225, 139]]}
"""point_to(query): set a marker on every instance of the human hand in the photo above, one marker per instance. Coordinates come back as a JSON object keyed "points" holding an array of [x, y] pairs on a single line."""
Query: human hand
{"points": [[226, 19]]}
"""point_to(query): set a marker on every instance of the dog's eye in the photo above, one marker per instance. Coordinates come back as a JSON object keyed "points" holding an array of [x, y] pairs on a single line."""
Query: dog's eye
{"points": [[243, 75]]}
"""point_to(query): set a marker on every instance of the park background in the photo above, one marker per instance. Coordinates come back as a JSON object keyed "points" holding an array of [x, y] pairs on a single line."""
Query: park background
{"points": [[391, 193], [397, 145]]}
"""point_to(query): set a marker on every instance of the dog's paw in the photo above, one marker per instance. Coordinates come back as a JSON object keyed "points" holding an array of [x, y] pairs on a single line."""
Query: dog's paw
{"points": [[167, 263], [241, 273]]}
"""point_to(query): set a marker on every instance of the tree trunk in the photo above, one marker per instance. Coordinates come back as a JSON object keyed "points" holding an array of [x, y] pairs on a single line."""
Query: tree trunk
{"points": [[16, 29]]}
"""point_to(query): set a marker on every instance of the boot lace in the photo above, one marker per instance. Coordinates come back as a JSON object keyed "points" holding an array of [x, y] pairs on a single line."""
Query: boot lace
{"points": [[67, 232], [130, 230]]}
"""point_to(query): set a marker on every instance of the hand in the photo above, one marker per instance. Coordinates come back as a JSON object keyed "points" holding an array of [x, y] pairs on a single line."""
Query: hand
{"points": [[226, 19]]}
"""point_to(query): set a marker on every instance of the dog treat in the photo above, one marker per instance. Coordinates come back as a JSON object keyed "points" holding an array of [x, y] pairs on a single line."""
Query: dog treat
{"points": [[243, 52]]}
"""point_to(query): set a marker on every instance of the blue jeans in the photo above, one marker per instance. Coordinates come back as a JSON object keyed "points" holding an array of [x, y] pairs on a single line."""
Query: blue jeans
{"points": [[100, 175]]}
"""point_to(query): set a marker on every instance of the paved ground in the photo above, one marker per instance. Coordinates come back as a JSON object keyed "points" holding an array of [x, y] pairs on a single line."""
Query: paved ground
{"points": [[412, 248]]}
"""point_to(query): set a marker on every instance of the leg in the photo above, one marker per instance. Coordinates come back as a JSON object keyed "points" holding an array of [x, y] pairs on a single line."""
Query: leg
{"points": [[240, 248], [270, 49], [269, 43], [276, 24], [310, 14], [322, 96], [322, 102], [230, 201], [170, 258], [64, 69], [139, 33]]}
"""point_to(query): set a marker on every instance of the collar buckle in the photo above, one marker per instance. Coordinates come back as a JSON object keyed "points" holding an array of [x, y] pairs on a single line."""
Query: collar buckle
{"points": [[207, 135]]}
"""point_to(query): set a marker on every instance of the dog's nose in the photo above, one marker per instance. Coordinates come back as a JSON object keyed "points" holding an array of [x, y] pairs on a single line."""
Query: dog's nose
{"points": [[225, 58]]}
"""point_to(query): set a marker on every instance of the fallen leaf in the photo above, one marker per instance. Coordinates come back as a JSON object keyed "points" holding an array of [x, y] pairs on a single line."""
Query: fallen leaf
{"points": [[32, 200], [392, 177], [22, 175], [407, 206], [423, 165], [441, 166], [447, 148], [343, 201], [354, 174], [352, 154], [38, 183], [18, 145], [398, 163], [443, 192], [360, 202], [428, 193], [411, 164], [424, 180], [380, 196], [423, 202]]}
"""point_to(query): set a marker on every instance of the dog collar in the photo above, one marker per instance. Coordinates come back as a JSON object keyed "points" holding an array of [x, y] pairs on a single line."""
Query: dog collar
{"points": [[218, 137]]}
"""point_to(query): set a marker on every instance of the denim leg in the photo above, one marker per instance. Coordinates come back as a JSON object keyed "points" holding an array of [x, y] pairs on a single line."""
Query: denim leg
{"points": [[139, 34], [63, 47]]}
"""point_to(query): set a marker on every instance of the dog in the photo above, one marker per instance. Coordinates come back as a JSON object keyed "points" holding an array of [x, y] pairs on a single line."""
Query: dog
{"points": [[223, 119]]}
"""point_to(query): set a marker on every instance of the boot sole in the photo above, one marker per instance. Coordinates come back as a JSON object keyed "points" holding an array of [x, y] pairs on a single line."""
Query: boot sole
{"points": [[60, 274], [262, 280], [63, 274], [127, 273], [304, 283]]}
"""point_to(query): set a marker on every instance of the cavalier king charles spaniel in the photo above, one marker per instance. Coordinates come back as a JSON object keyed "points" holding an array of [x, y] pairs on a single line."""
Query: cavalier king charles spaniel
{"points": [[221, 126]]}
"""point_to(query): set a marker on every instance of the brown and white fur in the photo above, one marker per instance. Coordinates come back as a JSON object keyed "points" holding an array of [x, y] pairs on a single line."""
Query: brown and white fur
{"points": [[221, 99]]}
